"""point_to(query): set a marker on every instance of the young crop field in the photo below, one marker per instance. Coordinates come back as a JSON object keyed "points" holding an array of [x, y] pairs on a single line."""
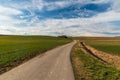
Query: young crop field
{"points": [[16, 49], [108, 46]]}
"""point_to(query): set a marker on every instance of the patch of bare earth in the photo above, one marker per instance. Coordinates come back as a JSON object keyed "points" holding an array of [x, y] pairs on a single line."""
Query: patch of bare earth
{"points": [[111, 59]]}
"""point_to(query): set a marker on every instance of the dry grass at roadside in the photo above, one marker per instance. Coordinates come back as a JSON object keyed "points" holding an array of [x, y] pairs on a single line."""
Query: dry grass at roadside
{"points": [[89, 68], [81, 73], [113, 60]]}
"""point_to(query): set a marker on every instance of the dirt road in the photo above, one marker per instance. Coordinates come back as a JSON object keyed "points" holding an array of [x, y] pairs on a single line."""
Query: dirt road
{"points": [[52, 65]]}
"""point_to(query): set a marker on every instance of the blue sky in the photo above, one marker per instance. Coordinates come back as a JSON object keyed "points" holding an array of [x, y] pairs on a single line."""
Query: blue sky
{"points": [[58, 17]]}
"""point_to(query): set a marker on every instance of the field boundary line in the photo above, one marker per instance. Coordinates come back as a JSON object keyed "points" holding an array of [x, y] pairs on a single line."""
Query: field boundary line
{"points": [[85, 49], [113, 60]]}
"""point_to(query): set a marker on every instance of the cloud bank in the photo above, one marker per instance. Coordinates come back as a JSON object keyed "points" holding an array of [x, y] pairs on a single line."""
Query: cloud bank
{"points": [[58, 17]]}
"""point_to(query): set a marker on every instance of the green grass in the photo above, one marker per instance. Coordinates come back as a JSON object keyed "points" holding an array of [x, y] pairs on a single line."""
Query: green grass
{"points": [[18, 48], [110, 46], [96, 69]]}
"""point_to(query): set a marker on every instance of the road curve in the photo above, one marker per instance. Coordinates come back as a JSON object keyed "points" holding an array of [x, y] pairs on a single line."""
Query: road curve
{"points": [[52, 65]]}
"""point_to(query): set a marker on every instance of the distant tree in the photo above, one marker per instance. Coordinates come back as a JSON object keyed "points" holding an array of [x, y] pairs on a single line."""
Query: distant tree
{"points": [[63, 36]]}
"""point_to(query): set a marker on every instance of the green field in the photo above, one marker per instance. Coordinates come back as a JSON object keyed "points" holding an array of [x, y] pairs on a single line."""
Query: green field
{"points": [[106, 44], [90, 68], [109, 46], [15, 49]]}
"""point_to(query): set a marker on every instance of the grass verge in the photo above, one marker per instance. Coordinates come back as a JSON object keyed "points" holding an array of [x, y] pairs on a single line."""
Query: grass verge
{"points": [[90, 68]]}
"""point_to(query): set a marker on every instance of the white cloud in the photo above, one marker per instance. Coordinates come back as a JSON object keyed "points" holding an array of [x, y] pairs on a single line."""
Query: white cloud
{"points": [[106, 17], [6, 16], [9, 21], [56, 5], [93, 26], [64, 26], [37, 4], [9, 11], [116, 5], [101, 1]]}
